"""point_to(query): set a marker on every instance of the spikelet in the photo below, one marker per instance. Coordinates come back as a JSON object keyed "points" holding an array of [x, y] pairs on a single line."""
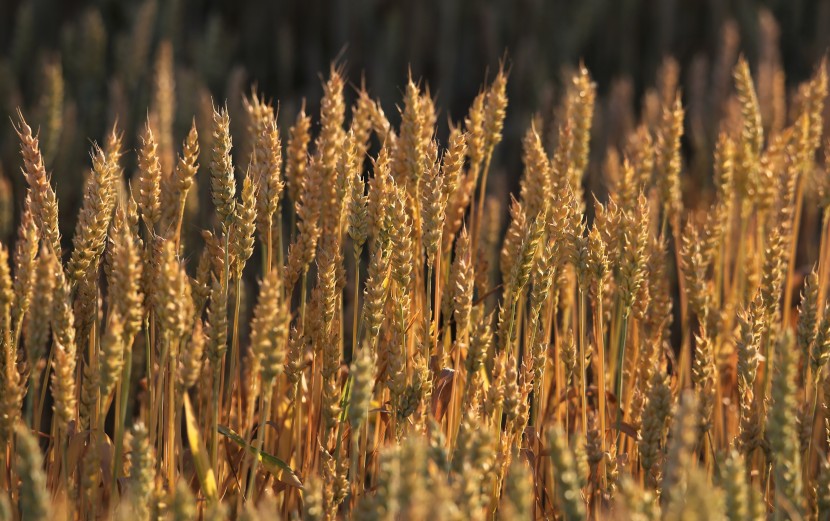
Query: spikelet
{"points": [[381, 126], [526, 254], [495, 108], [330, 144], [634, 261], [36, 326], [187, 166], [361, 124], [395, 353], [297, 156], [358, 217], [182, 504], [190, 357], [177, 185], [518, 492], [222, 180], [112, 354], [472, 461], [25, 266], [44, 203], [149, 180], [363, 380], [65, 349], [142, 474], [748, 151], [217, 322], [200, 284], [569, 356], [10, 379], [637, 504], [88, 397], [269, 328], [669, 162], [380, 193], [724, 169], [327, 281], [513, 239], [772, 273], [598, 265], [457, 189], [580, 113], [268, 175], [680, 458], [348, 165], [433, 206], [313, 509], [301, 252], [782, 428], [565, 474], [90, 480], [536, 185], [641, 154], [399, 227], [808, 320], [125, 275], [752, 131], [655, 421], [748, 347], [375, 294], [407, 163], [474, 126], [244, 225], [820, 352], [742, 501], [94, 218], [35, 503], [694, 268], [462, 282], [704, 378], [512, 395], [171, 293]]}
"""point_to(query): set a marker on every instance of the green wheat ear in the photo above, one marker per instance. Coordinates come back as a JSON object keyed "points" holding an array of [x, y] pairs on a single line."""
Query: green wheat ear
{"points": [[35, 502]]}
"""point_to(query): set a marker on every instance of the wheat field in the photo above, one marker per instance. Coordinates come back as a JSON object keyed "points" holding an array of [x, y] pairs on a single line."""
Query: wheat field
{"points": [[349, 317]]}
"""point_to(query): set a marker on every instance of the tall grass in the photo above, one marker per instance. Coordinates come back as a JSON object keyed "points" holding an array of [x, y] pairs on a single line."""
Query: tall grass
{"points": [[351, 334]]}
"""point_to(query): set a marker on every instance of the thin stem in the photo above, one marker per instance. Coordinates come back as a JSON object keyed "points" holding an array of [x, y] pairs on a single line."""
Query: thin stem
{"points": [[620, 370], [234, 354], [214, 431], [582, 373], [268, 248], [481, 194], [788, 297], [426, 345], [122, 402], [267, 393], [598, 335], [171, 414], [180, 220], [355, 302]]}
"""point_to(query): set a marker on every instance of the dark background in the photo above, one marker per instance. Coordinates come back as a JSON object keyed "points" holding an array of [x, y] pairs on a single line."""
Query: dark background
{"points": [[106, 50]]}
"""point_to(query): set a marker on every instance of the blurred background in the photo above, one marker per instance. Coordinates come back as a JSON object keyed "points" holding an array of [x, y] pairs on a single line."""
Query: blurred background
{"points": [[75, 67]]}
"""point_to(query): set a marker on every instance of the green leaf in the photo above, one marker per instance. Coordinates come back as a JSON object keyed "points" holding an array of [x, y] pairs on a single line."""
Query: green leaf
{"points": [[280, 469]]}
